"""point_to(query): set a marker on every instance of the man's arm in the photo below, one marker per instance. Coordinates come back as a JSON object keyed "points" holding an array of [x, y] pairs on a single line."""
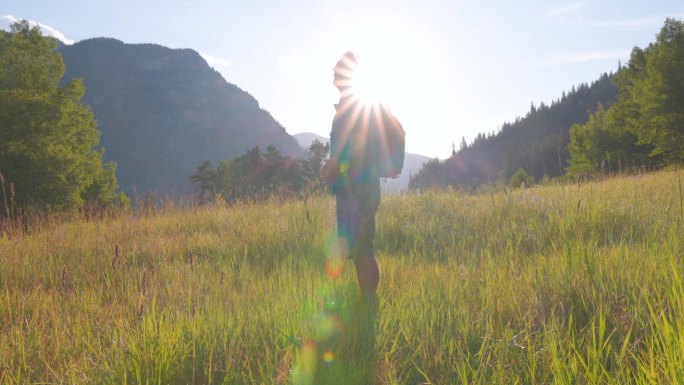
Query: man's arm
{"points": [[331, 169]]}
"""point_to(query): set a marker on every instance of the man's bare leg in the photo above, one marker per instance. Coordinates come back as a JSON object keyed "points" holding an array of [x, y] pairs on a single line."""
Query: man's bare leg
{"points": [[368, 274]]}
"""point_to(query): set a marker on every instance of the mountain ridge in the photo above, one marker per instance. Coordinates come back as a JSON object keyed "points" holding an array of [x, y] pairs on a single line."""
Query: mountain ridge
{"points": [[163, 111]]}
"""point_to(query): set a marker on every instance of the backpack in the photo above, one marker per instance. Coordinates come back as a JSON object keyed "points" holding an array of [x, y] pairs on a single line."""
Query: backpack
{"points": [[369, 142], [389, 141]]}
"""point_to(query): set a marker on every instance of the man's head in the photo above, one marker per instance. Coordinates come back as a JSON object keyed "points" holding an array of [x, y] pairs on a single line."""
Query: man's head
{"points": [[344, 70]]}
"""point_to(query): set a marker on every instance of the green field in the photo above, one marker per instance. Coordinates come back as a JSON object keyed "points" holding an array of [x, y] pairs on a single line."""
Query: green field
{"points": [[557, 284]]}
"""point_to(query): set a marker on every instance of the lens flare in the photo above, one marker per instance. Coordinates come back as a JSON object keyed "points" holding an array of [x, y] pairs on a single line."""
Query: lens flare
{"points": [[328, 324], [334, 267], [332, 305], [330, 328], [328, 357], [304, 371]]}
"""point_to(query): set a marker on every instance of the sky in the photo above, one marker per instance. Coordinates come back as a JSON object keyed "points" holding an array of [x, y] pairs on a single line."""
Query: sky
{"points": [[449, 69]]}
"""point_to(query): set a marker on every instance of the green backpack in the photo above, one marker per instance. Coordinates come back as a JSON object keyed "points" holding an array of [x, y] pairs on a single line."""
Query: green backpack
{"points": [[389, 141]]}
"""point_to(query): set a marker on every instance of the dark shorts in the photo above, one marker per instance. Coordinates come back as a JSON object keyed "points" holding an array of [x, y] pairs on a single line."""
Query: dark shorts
{"points": [[356, 208]]}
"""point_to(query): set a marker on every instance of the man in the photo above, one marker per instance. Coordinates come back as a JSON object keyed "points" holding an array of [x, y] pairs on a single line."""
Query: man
{"points": [[353, 176]]}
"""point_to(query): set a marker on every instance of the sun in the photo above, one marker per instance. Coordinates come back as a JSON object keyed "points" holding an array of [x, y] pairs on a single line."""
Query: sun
{"points": [[401, 65], [392, 66], [373, 79]]}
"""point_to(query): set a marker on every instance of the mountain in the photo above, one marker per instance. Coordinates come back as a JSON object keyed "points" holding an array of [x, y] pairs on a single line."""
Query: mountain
{"points": [[413, 163], [306, 138], [162, 112]]}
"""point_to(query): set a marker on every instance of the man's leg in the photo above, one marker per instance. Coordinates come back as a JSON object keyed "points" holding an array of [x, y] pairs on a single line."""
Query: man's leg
{"points": [[367, 269], [368, 274]]}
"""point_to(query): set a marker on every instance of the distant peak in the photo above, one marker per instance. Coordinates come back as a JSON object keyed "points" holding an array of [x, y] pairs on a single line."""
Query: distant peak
{"points": [[101, 40]]}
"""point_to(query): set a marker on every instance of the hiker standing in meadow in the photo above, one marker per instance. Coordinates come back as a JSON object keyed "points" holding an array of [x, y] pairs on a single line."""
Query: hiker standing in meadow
{"points": [[366, 143]]}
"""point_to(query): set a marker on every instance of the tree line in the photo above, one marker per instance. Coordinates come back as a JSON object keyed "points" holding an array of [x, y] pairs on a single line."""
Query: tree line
{"points": [[258, 175]]}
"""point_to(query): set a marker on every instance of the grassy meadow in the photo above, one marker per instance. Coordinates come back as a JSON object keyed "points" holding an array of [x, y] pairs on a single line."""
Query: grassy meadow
{"points": [[556, 284]]}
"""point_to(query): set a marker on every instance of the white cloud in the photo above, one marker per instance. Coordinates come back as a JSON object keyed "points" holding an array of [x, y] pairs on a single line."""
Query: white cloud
{"points": [[576, 12], [642, 22], [55, 33], [566, 9], [587, 56], [216, 61], [7, 20], [581, 57]]}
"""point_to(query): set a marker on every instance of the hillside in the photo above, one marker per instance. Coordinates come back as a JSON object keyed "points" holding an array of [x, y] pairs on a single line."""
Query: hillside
{"points": [[164, 111], [536, 142], [413, 163]]}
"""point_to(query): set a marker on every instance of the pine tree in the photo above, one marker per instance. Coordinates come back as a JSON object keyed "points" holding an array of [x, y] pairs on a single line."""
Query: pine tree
{"points": [[311, 165], [660, 95], [464, 144], [205, 178]]}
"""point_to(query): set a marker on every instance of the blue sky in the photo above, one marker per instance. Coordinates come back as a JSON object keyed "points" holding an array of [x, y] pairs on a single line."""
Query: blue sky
{"points": [[457, 68]]}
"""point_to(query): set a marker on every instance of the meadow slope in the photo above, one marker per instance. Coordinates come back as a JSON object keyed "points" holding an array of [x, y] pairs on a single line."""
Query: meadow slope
{"points": [[558, 284]]}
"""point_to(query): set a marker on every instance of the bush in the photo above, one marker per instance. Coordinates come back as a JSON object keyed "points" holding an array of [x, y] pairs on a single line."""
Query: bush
{"points": [[519, 178]]}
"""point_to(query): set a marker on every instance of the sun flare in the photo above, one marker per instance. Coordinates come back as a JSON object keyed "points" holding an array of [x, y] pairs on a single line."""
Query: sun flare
{"points": [[401, 64], [373, 79]]}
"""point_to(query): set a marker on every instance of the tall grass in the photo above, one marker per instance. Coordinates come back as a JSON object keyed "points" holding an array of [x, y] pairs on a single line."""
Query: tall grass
{"points": [[561, 284]]}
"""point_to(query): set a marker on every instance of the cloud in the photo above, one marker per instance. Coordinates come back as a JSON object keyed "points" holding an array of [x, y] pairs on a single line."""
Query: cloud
{"points": [[216, 61], [55, 33], [641, 22], [587, 56], [647, 21], [566, 9], [7, 20], [576, 12], [582, 57]]}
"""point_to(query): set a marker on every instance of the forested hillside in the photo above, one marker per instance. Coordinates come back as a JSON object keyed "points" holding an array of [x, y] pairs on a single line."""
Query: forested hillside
{"points": [[537, 143], [162, 112], [624, 121]]}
